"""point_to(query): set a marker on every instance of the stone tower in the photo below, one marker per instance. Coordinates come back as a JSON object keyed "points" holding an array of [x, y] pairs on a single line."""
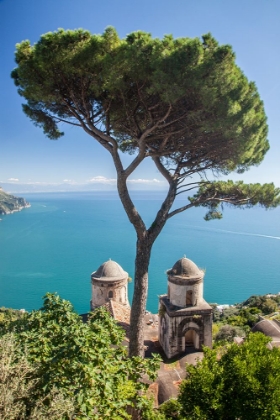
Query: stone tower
{"points": [[109, 282], [185, 318]]}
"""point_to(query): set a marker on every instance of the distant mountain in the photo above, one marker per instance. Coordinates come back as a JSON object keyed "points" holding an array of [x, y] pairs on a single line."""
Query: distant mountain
{"points": [[9, 203], [18, 188]]}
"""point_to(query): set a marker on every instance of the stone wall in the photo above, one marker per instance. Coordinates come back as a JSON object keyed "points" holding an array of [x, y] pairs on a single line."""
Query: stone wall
{"points": [[178, 294], [103, 291], [175, 325]]}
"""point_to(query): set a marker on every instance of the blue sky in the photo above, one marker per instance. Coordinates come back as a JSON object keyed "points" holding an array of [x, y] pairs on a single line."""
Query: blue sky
{"points": [[29, 161]]}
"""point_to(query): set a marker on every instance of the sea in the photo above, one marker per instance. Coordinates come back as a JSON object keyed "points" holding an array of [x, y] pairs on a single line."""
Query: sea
{"points": [[57, 243]]}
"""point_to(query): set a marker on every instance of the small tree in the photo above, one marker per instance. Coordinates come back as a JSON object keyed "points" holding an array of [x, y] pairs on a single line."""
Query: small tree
{"points": [[227, 334], [183, 103], [19, 379], [265, 304], [242, 383]]}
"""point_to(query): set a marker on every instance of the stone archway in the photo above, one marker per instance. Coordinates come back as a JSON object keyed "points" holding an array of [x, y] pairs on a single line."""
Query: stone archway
{"points": [[188, 335], [190, 339]]}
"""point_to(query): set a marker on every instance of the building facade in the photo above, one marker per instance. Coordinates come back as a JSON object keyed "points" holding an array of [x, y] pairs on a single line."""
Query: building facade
{"points": [[185, 318], [109, 282]]}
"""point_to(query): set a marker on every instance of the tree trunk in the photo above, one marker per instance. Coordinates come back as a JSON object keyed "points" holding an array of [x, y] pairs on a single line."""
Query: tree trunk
{"points": [[138, 308], [145, 240]]}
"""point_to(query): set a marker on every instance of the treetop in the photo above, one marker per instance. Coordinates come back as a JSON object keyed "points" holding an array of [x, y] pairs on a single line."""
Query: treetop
{"points": [[175, 99]]}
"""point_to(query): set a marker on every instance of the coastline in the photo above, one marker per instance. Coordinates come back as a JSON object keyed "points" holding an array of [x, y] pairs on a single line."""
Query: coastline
{"points": [[10, 204], [6, 212], [15, 210]]}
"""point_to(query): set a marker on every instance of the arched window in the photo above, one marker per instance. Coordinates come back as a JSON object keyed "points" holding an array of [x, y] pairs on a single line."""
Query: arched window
{"points": [[110, 294]]}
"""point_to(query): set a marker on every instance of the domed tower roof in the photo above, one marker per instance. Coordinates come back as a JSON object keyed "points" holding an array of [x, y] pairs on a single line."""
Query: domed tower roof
{"points": [[109, 271], [185, 269]]}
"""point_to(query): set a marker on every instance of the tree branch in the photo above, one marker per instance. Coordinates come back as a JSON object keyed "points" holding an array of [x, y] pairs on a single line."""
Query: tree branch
{"points": [[162, 215], [164, 172], [183, 191], [136, 162], [65, 121], [181, 209]]}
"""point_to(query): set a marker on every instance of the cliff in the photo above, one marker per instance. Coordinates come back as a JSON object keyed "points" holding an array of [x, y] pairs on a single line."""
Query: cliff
{"points": [[9, 203]]}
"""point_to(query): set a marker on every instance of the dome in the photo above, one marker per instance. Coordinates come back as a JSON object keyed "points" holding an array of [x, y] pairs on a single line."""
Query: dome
{"points": [[109, 271], [185, 268]]}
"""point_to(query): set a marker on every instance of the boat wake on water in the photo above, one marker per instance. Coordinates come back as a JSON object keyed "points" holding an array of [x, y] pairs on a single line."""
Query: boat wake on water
{"points": [[236, 233]]}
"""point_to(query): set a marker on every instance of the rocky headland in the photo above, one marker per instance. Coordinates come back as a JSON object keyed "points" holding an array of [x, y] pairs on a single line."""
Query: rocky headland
{"points": [[9, 203]]}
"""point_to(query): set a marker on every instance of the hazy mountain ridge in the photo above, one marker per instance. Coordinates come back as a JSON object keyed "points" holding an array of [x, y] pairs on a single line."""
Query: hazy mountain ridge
{"points": [[9, 203], [21, 188]]}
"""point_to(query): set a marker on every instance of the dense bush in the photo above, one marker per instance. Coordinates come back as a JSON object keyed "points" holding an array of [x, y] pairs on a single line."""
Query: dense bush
{"points": [[54, 366], [227, 334], [266, 304], [84, 363], [8, 315], [243, 315], [170, 409], [19, 397], [242, 382]]}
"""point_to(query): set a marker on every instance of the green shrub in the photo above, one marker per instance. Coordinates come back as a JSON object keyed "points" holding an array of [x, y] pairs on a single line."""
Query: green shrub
{"points": [[227, 333], [86, 362], [19, 379], [242, 382], [170, 409]]}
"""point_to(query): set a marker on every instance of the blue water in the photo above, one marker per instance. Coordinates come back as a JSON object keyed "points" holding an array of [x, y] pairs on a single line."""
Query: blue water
{"points": [[57, 243]]}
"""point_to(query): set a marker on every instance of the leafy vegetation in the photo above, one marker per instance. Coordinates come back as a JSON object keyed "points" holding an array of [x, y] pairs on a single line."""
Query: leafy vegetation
{"points": [[52, 365], [237, 320], [242, 382], [7, 315], [81, 363], [170, 409], [265, 304], [19, 380], [227, 333], [233, 382]]}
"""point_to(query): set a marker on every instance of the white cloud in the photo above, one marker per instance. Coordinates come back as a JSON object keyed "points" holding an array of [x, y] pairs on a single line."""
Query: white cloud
{"points": [[70, 181], [102, 180], [144, 181], [42, 183], [13, 179]]}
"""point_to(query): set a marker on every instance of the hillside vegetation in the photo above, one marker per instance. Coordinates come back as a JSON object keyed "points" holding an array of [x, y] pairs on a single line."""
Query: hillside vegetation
{"points": [[239, 319], [54, 366]]}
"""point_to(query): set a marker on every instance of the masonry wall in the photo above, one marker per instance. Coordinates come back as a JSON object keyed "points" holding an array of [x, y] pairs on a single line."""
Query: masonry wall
{"points": [[172, 329], [178, 293], [103, 291]]}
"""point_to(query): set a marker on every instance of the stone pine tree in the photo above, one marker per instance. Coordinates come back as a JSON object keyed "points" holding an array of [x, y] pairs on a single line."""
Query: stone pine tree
{"points": [[183, 103]]}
